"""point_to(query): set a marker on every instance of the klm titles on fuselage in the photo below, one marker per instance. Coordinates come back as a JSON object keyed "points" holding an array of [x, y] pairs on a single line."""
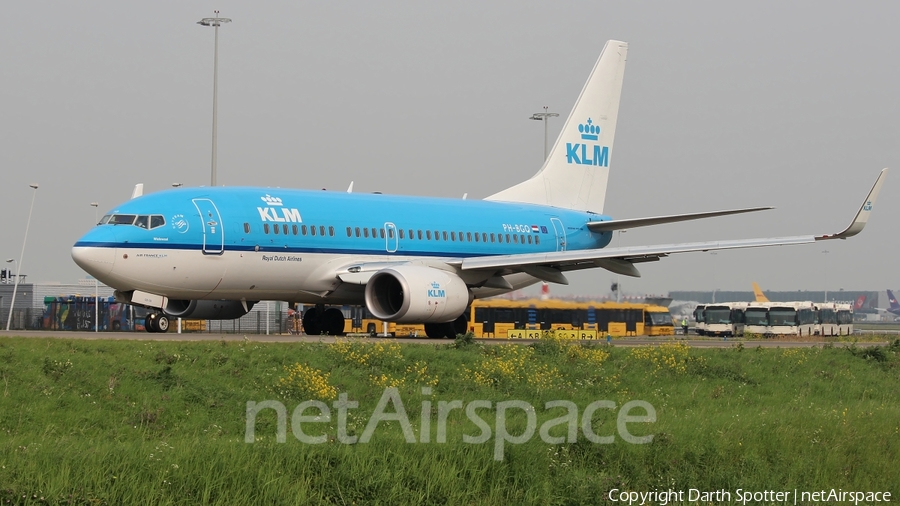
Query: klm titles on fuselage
{"points": [[271, 213], [585, 153]]}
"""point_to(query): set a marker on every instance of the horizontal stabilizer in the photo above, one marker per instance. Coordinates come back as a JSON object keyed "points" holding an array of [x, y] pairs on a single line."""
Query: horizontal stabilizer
{"points": [[608, 226]]}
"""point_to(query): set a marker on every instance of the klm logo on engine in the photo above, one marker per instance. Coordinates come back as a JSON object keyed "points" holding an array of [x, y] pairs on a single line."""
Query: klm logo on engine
{"points": [[588, 153], [436, 292], [276, 212]]}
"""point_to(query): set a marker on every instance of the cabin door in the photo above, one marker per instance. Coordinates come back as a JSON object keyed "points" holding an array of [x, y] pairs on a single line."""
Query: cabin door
{"points": [[213, 233], [390, 237], [560, 234]]}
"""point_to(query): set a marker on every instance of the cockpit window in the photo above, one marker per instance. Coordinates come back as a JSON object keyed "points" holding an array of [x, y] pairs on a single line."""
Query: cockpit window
{"points": [[143, 221], [122, 219]]}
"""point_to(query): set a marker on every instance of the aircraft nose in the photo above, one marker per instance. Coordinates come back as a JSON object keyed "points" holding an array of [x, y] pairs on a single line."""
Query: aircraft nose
{"points": [[95, 252]]}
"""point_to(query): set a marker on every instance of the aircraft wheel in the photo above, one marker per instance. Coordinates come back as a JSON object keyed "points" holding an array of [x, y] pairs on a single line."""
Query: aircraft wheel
{"points": [[162, 323], [333, 322], [150, 323], [312, 323], [433, 330], [459, 326]]}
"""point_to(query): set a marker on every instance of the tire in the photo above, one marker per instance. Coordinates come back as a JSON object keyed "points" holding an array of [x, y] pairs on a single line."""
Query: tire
{"points": [[333, 322], [150, 324], [433, 330], [371, 330], [162, 323], [459, 326], [312, 324]]}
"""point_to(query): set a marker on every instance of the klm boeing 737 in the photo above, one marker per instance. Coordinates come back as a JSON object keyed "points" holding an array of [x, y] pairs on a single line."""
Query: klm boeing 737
{"points": [[211, 253]]}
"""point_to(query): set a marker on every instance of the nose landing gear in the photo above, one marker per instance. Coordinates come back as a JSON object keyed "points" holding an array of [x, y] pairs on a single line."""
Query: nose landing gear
{"points": [[156, 322]]}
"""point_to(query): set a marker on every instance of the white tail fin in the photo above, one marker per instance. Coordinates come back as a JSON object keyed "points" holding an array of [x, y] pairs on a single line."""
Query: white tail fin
{"points": [[575, 174]]}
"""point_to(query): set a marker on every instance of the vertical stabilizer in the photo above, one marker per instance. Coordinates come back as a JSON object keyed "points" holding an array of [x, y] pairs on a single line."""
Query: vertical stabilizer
{"points": [[576, 171], [758, 293]]}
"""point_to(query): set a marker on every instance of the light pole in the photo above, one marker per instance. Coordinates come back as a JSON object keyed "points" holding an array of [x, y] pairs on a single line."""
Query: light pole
{"points": [[214, 22], [825, 252], [714, 254], [96, 285], [545, 117], [12, 303]]}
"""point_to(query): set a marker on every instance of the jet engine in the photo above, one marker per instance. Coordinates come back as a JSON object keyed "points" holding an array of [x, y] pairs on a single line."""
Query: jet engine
{"points": [[207, 309], [416, 294]]}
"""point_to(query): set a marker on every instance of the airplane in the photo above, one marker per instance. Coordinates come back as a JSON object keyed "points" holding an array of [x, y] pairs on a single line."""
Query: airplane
{"points": [[213, 252], [895, 307], [757, 291]]}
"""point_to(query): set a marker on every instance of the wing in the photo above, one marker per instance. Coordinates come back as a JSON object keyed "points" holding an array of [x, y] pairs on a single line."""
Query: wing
{"points": [[608, 226], [550, 266]]}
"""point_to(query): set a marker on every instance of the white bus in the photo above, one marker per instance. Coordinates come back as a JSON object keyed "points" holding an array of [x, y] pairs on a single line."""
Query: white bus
{"points": [[756, 318], [833, 318], [791, 319], [726, 319], [700, 319]]}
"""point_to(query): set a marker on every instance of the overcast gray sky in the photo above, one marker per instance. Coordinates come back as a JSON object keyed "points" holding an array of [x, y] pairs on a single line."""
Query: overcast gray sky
{"points": [[789, 104]]}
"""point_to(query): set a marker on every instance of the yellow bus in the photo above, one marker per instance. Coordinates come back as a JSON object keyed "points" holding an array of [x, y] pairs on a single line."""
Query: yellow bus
{"points": [[580, 320], [501, 318]]}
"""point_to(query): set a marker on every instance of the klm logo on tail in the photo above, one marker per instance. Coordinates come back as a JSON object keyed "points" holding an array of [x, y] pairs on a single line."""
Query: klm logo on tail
{"points": [[585, 153]]}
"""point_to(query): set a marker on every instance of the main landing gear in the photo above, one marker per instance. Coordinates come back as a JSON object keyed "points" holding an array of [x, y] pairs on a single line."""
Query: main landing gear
{"points": [[447, 330], [156, 322], [320, 321]]}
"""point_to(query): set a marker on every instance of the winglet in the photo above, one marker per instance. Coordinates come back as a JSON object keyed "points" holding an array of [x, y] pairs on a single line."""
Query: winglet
{"points": [[859, 222], [138, 190]]}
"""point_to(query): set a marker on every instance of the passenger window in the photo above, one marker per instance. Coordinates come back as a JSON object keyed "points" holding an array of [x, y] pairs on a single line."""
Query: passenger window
{"points": [[428, 234], [492, 237], [322, 230], [357, 231], [157, 221], [469, 236], [507, 238], [390, 233], [537, 239], [401, 233], [522, 239], [266, 228], [453, 236], [312, 230], [275, 229], [374, 233], [349, 232], [484, 236], [246, 228], [366, 232], [420, 235], [437, 235], [516, 239], [445, 235], [330, 231], [381, 233], [303, 229], [476, 236], [529, 239], [294, 229], [284, 228]]}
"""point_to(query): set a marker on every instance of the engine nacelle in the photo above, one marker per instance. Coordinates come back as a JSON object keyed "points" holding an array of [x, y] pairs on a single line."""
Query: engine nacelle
{"points": [[416, 294], [207, 309]]}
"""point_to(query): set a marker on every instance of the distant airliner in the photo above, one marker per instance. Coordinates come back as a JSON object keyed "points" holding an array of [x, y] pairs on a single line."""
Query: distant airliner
{"points": [[758, 293], [895, 307], [211, 253]]}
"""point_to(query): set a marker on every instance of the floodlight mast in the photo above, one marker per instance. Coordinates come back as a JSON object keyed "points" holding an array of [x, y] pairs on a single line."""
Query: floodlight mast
{"points": [[214, 22], [545, 117]]}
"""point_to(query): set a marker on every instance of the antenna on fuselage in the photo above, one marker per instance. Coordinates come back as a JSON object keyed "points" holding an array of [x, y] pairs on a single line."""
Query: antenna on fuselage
{"points": [[138, 190], [350, 188], [465, 195]]}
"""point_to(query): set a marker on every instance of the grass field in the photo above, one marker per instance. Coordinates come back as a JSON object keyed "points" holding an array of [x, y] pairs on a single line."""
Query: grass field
{"points": [[123, 422]]}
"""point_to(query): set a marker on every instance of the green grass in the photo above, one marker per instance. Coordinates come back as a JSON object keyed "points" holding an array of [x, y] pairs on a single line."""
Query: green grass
{"points": [[124, 422]]}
